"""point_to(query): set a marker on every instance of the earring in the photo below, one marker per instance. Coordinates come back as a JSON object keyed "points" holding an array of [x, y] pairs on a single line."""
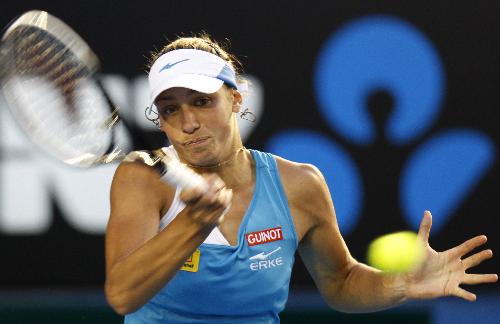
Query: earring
{"points": [[248, 115], [152, 116]]}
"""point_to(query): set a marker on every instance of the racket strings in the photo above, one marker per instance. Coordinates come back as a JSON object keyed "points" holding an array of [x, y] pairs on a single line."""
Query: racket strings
{"points": [[56, 96], [38, 53]]}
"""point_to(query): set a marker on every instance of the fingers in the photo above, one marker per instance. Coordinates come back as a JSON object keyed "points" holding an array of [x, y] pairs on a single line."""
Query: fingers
{"points": [[425, 227], [477, 258], [472, 261], [475, 279], [462, 293], [214, 195], [193, 195], [468, 246], [209, 206]]}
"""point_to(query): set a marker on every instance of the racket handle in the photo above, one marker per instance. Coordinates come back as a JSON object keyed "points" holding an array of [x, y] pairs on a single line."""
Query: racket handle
{"points": [[178, 174]]}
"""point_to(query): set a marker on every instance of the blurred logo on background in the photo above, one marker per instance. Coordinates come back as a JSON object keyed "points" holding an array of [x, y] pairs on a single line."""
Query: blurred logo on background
{"points": [[386, 60]]}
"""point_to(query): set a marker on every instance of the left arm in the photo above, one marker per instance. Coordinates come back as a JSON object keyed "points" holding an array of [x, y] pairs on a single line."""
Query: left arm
{"points": [[350, 286], [345, 284]]}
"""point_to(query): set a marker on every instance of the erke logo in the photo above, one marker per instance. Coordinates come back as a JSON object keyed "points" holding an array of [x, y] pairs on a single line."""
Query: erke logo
{"points": [[169, 65], [264, 236], [264, 262]]}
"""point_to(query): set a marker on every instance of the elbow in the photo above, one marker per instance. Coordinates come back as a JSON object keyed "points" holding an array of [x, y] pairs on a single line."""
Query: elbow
{"points": [[121, 310], [334, 298], [337, 305], [343, 309], [339, 294], [119, 300]]}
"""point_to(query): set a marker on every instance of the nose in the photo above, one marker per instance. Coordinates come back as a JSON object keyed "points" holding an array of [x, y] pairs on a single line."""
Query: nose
{"points": [[189, 120]]}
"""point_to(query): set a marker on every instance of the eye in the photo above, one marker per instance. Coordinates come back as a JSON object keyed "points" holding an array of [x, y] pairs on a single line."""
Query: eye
{"points": [[167, 110], [202, 101]]}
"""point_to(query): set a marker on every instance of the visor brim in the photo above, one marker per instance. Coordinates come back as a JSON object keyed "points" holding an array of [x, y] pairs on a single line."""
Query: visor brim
{"points": [[197, 82]]}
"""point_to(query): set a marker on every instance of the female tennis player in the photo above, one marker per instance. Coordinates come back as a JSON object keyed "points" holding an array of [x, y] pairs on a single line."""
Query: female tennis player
{"points": [[224, 253]]}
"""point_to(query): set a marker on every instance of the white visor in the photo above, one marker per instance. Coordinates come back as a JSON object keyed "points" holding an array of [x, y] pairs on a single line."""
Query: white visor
{"points": [[190, 68]]}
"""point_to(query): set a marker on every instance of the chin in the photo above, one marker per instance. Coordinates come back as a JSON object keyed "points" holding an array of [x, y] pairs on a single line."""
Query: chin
{"points": [[204, 162], [201, 158]]}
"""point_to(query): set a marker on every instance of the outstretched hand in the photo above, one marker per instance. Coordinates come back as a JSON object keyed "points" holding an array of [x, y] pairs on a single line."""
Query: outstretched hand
{"points": [[442, 273]]}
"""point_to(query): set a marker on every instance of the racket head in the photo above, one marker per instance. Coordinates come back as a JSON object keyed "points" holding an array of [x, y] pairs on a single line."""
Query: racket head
{"points": [[49, 79], [43, 21]]}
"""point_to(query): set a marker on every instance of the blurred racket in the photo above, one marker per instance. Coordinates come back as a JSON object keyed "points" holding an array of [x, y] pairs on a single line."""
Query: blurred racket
{"points": [[50, 79]]}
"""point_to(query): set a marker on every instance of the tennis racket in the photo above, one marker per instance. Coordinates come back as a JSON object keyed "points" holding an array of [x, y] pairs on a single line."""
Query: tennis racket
{"points": [[50, 80]]}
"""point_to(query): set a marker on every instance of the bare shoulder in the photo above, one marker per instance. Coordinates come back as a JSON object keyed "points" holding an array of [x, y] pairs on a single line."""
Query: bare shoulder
{"points": [[134, 173], [307, 192], [301, 180], [139, 185]]}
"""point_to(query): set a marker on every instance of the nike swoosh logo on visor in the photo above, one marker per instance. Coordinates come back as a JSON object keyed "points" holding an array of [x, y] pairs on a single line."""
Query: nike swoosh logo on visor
{"points": [[169, 65]]}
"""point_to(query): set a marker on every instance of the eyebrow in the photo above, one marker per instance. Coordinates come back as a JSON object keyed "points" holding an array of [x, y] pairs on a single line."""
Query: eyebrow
{"points": [[170, 97]]}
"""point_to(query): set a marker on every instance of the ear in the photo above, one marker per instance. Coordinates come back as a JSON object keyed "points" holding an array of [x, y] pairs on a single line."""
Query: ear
{"points": [[237, 100]]}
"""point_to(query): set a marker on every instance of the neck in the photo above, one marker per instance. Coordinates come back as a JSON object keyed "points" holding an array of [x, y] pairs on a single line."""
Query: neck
{"points": [[215, 167], [235, 171]]}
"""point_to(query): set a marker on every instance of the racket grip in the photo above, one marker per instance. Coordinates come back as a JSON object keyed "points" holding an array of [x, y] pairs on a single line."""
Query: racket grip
{"points": [[179, 175]]}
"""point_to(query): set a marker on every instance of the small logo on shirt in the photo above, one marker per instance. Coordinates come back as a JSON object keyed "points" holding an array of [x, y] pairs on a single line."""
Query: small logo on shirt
{"points": [[264, 236], [192, 262], [264, 255], [169, 65], [264, 262]]}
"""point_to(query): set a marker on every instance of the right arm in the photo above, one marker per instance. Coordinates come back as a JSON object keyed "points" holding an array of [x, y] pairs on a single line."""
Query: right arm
{"points": [[139, 259]]}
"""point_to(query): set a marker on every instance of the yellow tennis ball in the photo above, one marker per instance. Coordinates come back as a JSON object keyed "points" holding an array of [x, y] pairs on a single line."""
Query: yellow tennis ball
{"points": [[396, 252]]}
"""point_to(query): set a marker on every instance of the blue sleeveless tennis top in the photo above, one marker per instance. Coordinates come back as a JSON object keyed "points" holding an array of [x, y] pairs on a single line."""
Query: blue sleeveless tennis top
{"points": [[245, 283]]}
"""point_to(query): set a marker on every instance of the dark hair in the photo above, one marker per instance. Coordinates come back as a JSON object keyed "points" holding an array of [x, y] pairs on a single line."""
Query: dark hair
{"points": [[204, 42]]}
